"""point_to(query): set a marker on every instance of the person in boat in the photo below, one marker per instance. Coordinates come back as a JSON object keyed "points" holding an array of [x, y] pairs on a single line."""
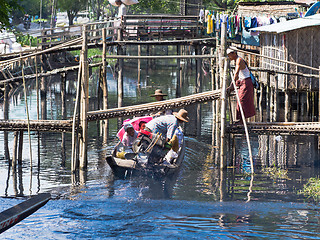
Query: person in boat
{"points": [[166, 125], [244, 85], [129, 136], [142, 125], [159, 96]]}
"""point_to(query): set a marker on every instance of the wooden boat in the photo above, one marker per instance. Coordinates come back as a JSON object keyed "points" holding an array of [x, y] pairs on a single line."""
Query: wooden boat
{"points": [[12, 216], [146, 158]]}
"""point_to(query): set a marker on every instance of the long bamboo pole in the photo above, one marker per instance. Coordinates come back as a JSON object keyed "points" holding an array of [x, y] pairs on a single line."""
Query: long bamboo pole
{"points": [[84, 101], [74, 132], [244, 124], [28, 119]]}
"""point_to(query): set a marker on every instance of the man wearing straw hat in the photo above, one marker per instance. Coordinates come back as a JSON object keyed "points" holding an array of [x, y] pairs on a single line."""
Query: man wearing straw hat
{"points": [[244, 84], [159, 96], [167, 125]]}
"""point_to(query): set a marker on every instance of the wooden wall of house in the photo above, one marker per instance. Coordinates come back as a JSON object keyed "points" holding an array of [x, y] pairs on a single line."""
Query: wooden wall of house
{"points": [[300, 46], [273, 45], [303, 47]]}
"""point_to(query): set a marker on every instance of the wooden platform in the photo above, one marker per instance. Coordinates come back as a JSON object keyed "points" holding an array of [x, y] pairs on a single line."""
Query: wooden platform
{"points": [[37, 125], [286, 128], [144, 109]]}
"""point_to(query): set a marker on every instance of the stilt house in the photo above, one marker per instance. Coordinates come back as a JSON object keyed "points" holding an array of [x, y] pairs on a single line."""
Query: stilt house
{"points": [[297, 41]]}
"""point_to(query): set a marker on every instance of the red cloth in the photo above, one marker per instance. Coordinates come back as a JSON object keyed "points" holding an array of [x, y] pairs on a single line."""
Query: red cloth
{"points": [[246, 98]]}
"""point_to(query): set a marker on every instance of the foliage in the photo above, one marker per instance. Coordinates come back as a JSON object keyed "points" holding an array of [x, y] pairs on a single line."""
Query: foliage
{"points": [[32, 7], [96, 8], [276, 172], [6, 7], [311, 189], [219, 4], [72, 7], [155, 6], [25, 40]]}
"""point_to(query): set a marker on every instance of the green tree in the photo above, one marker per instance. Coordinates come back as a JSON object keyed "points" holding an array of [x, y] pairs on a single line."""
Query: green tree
{"points": [[72, 7], [31, 7], [155, 6], [220, 4], [96, 8], [6, 7]]}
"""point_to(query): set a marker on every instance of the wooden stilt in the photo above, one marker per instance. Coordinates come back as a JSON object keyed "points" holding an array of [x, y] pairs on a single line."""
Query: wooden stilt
{"points": [[6, 117], [287, 105], [15, 151], [260, 102], [120, 75], [20, 147], [319, 98], [178, 86], [43, 91], [223, 159], [104, 84], [64, 116], [84, 104], [268, 97], [276, 99], [139, 66], [37, 86]]}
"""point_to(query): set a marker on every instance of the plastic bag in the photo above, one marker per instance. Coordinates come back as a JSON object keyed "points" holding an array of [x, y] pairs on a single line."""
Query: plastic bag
{"points": [[255, 83], [130, 2]]}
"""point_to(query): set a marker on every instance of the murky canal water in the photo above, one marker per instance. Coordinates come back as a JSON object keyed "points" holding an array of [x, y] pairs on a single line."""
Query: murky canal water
{"points": [[199, 202]]}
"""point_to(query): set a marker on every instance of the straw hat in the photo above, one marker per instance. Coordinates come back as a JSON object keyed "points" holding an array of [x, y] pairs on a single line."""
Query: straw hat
{"points": [[182, 115], [158, 92], [231, 50]]}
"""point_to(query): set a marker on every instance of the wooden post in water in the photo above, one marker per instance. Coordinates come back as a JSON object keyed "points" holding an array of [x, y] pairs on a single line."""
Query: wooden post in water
{"points": [[223, 86], [276, 99], [6, 117], [198, 86], [104, 83], [213, 75], [20, 148], [268, 97], [84, 104], [64, 116], [37, 86], [179, 77], [43, 90], [120, 74], [319, 98], [15, 150], [139, 65], [287, 105], [223, 159], [260, 103]]}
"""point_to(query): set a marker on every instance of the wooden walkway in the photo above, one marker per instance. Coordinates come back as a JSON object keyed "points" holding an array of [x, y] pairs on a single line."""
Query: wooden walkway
{"points": [[287, 128], [144, 109], [37, 125]]}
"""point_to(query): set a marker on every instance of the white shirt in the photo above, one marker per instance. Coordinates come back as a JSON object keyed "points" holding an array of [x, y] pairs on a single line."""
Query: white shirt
{"points": [[122, 10]]}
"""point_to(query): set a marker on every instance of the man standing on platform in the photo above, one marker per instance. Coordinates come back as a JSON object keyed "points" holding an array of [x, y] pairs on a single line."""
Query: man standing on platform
{"points": [[244, 84]]}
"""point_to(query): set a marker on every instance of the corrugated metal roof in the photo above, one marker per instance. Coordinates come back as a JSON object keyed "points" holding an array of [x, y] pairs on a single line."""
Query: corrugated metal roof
{"points": [[290, 25]]}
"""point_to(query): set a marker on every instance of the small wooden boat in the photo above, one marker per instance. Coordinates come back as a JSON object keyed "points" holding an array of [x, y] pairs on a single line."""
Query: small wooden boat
{"points": [[147, 158], [12, 216]]}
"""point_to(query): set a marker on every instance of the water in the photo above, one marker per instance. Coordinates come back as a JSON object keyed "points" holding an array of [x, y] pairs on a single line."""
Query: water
{"points": [[199, 202]]}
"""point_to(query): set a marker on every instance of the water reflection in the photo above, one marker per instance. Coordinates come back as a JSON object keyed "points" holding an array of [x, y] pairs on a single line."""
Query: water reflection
{"points": [[201, 201]]}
